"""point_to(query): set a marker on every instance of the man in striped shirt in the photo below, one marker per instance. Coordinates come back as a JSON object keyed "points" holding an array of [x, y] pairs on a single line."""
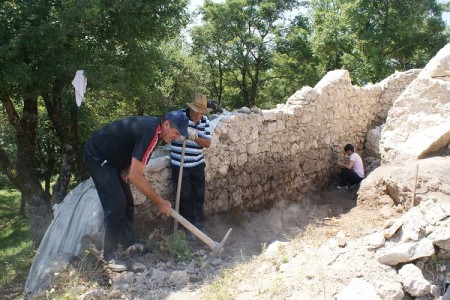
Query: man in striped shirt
{"points": [[192, 191], [115, 156]]}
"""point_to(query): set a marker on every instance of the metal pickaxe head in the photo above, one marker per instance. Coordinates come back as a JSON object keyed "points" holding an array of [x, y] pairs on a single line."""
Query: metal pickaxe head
{"points": [[217, 248]]}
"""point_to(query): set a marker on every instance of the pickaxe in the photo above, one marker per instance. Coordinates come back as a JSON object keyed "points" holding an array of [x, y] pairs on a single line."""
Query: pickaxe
{"points": [[217, 248]]}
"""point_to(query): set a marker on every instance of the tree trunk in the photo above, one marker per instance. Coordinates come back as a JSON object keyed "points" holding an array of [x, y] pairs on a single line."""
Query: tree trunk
{"points": [[22, 207], [38, 203], [77, 150], [244, 89], [66, 131], [22, 175], [219, 98], [39, 210], [255, 83], [60, 188]]}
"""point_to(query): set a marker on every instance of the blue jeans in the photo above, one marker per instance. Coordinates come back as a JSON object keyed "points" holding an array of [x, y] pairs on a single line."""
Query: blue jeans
{"points": [[192, 194], [117, 202]]}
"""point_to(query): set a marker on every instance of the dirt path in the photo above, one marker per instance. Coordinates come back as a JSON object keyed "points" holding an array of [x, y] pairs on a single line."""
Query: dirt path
{"points": [[281, 223], [319, 217], [253, 232], [328, 211]]}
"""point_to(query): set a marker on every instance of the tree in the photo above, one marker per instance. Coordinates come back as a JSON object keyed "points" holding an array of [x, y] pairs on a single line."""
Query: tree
{"points": [[237, 40], [372, 39], [43, 44], [294, 64], [209, 48], [182, 76]]}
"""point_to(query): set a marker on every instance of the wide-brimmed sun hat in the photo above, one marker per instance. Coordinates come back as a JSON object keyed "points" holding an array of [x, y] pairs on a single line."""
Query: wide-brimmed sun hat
{"points": [[199, 103]]}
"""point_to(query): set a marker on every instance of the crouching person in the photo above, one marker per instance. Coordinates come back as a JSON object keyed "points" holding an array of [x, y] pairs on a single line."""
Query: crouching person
{"points": [[352, 173]]}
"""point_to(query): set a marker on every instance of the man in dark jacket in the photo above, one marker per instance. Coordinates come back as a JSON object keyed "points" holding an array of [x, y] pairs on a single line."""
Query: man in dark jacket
{"points": [[115, 157]]}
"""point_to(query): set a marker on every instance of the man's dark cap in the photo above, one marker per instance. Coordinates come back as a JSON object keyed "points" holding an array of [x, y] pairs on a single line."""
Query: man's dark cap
{"points": [[180, 120]]}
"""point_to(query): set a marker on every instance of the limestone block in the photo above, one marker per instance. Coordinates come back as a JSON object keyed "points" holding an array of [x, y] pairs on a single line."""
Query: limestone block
{"points": [[276, 148], [438, 66], [358, 289], [375, 240], [241, 159], [221, 128], [253, 147], [413, 281], [280, 125], [269, 115], [241, 147], [237, 196], [223, 169], [254, 135], [303, 96], [234, 136], [213, 162], [441, 235], [271, 127], [419, 122], [406, 252], [179, 278], [435, 213], [295, 148]]}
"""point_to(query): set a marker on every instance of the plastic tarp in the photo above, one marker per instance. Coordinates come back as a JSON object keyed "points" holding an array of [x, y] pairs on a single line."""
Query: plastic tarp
{"points": [[80, 214]]}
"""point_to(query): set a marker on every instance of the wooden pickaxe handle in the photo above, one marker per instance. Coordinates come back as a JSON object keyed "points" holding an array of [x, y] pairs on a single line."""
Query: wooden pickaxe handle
{"points": [[217, 248]]}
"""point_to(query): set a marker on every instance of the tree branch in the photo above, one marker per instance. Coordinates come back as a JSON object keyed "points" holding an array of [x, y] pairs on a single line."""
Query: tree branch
{"points": [[13, 116], [7, 167]]}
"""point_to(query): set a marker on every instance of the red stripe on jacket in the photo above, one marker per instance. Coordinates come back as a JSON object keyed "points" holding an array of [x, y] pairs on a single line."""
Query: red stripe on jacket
{"points": [[151, 147]]}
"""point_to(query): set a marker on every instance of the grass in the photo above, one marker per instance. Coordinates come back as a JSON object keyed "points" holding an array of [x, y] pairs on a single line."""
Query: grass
{"points": [[16, 255], [174, 245], [16, 248]]}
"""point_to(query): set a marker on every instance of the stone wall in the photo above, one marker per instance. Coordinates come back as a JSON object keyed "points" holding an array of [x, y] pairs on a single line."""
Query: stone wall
{"points": [[258, 159]]}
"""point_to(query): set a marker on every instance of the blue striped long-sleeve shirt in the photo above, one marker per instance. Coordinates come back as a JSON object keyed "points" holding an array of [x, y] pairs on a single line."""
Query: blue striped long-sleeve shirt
{"points": [[193, 154]]}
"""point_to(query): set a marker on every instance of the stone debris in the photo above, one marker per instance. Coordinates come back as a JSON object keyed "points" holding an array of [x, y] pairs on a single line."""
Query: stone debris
{"points": [[138, 267], [358, 289], [179, 277], [413, 281], [158, 275]]}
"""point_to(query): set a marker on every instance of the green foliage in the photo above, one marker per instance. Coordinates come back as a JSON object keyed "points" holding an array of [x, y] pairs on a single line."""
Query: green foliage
{"points": [[294, 62], [182, 77], [373, 39], [236, 43], [15, 244], [175, 245], [44, 43], [6, 143]]}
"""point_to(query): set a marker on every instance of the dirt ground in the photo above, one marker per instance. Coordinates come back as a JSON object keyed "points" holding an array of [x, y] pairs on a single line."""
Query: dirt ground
{"points": [[282, 223], [253, 232], [330, 209]]}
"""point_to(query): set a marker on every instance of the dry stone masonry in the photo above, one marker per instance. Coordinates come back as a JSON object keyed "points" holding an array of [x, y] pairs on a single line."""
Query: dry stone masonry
{"points": [[258, 158]]}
